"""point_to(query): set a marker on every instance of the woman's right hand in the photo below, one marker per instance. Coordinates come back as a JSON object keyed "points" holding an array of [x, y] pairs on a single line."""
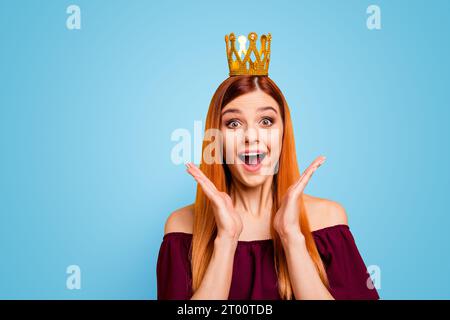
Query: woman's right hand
{"points": [[228, 221]]}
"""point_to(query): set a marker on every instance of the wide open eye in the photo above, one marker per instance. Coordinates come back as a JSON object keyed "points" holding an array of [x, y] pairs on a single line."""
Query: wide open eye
{"points": [[233, 124], [267, 122]]}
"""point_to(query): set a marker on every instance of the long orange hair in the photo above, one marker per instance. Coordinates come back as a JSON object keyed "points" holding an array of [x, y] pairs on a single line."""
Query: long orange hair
{"points": [[204, 227]]}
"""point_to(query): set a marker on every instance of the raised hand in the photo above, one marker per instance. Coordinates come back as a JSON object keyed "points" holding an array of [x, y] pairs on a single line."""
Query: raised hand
{"points": [[228, 221], [287, 218]]}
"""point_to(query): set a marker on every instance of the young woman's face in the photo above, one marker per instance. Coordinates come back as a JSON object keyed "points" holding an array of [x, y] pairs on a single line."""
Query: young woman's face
{"points": [[252, 130]]}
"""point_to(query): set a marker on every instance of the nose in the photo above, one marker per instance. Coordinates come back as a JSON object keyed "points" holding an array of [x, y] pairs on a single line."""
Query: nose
{"points": [[251, 135]]}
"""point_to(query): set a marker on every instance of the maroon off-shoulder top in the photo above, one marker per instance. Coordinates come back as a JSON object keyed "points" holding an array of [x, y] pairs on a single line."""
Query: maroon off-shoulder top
{"points": [[254, 276]]}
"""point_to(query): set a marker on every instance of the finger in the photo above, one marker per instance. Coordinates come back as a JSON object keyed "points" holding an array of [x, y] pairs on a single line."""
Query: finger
{"points": [[205, 187], [313, 166], [202, 176], [206, 184], [304, 179]]}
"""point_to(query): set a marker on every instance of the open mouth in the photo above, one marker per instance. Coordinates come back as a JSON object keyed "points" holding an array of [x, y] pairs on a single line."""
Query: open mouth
{"points": [[252, 159]]}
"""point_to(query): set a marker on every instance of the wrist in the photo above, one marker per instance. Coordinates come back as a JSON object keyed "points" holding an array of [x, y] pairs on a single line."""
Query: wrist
{"points": [[292, 238], [225, 243]]}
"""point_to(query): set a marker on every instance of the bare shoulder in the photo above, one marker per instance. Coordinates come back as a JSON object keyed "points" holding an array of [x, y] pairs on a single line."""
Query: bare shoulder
{"points": [[181, 220], [323, 213]]}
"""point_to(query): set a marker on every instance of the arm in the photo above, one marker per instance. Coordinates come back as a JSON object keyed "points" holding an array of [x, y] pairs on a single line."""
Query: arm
{"points": [[305, 279], [217, 280]]}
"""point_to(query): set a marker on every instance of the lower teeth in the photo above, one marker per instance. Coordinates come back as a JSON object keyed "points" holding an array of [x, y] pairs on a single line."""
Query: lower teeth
{"points": [[253, 160]]}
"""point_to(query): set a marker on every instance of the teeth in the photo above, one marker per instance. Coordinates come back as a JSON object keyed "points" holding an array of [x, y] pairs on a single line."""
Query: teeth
{"points": [[251, 154], [252, 158]]}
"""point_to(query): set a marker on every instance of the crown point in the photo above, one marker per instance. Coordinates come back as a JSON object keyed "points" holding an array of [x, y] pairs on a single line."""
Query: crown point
{"points": [[252, 36], [232, 37]]}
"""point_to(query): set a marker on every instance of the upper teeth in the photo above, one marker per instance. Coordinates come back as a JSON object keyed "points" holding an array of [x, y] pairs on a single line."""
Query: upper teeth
{"points": [[252, 155]]}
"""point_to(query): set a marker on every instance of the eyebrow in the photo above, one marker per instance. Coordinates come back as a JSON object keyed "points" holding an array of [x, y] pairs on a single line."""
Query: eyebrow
{"points": [[260, 109]]}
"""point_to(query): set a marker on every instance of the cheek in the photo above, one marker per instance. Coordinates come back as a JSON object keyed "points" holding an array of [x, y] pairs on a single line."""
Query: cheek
{"points": [[231, 140], [273, 139], [280, 138]]}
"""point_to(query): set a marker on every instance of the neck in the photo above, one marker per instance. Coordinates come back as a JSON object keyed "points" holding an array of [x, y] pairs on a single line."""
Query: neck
{"points": [[254, 201]]}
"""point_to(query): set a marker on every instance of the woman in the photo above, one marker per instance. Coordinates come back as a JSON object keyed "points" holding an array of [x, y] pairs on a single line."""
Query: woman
{"points": [[252, 232]]}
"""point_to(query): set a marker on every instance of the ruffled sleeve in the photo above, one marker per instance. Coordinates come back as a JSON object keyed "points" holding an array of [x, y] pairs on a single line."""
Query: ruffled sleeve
{"points": [[346, 271], [173, 272]]}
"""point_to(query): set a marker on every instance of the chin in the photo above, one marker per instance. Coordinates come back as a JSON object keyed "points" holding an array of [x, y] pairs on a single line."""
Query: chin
{"points": [[253, 183], [251, 180]]}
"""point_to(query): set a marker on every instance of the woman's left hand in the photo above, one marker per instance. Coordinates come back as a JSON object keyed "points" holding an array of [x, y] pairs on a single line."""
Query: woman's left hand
{"points": [[287, 219]]}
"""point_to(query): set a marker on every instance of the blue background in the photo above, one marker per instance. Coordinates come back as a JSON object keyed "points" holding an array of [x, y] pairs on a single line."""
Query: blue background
{"points": [[86, 118]]}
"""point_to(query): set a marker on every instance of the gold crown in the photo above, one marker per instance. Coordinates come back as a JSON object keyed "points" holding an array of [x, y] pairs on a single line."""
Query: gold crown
{"points": [[239, 65]]}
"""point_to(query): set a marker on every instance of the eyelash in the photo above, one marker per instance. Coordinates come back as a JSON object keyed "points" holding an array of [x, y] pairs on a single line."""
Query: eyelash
{"points": [[235, 120], [268, 118]]}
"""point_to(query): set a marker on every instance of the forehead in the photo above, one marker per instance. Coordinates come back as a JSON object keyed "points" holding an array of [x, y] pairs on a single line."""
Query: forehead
{"points": [[251, 102]]}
